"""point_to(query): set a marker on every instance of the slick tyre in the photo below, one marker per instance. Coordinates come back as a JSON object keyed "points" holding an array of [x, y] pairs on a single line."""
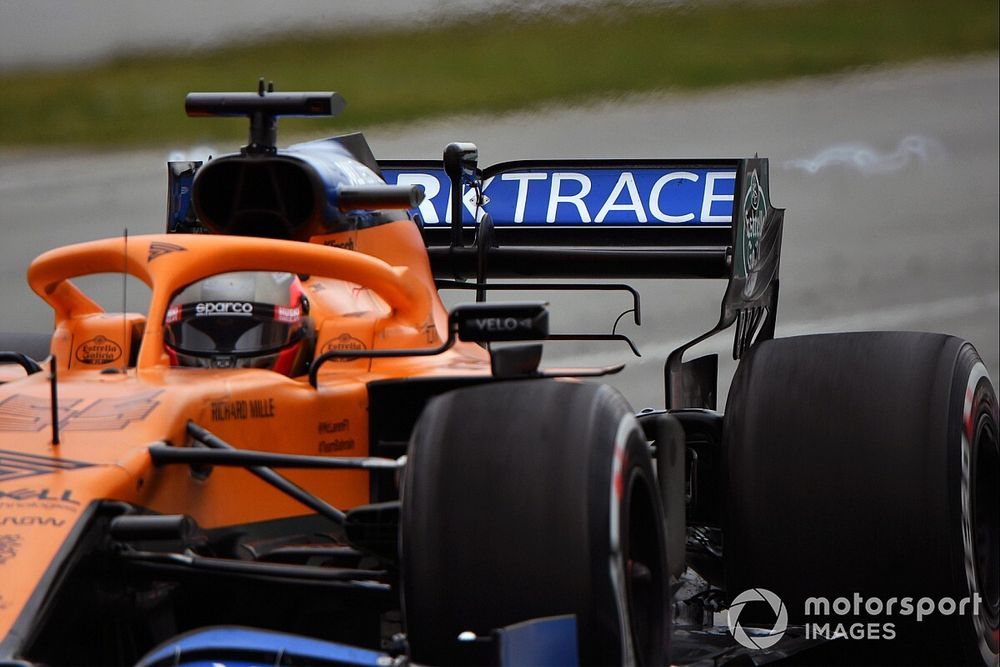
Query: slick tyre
{"points": [[524, 500], [865, 466]]}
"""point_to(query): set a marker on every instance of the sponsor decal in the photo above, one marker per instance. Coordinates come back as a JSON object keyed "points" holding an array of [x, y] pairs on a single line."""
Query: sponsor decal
{"points": [[31, 520], [501, 324], [242, 410], [345, 342], [160, 248], [338, 445], [98, 351], [287, 314], [754, 214], [20, 495], [9, 544], [541, 196], [15, 465], [334, 427], [173, 314], [32, 413], [345, 245], [223, 308]]}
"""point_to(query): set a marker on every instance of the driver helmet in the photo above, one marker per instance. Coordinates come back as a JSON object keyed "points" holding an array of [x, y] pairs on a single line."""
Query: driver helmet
{"points": [[244, 319]]}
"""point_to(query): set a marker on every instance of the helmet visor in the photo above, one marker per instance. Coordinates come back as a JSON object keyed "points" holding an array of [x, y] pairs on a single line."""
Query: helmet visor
{"points": [[231, 327]]}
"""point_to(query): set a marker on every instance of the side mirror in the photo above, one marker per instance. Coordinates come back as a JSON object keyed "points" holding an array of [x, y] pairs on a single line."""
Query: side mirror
{"points": [[460, 159], [499, 321]]}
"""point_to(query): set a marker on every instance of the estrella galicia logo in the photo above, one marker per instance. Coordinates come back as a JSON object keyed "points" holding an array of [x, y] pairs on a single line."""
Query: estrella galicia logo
{"points": [[754, 212], [345, 342], [757, 640], [98, 351]]}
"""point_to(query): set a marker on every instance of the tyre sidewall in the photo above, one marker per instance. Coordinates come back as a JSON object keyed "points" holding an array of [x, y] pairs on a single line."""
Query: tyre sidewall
{"points": [[844, 473], [973, 407], [536, 507]]}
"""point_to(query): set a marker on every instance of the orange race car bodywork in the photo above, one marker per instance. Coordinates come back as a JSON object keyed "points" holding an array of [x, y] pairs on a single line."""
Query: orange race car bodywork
{"points": [[111, 408]]}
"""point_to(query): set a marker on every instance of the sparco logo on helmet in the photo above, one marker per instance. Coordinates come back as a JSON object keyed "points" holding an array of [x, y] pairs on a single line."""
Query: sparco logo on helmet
{"points": [[224, 308]]}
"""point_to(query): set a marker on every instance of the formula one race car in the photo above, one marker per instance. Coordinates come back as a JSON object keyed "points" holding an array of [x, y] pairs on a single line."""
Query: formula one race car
{"points": [[299, 455]]}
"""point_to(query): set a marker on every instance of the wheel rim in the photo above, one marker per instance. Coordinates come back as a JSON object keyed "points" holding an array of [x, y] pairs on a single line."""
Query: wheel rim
{"points": [[645, 572], [986, 515]]}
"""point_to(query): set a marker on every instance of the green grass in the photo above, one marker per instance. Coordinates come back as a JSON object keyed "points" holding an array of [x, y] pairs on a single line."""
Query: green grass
{"points": [[498, 63]]}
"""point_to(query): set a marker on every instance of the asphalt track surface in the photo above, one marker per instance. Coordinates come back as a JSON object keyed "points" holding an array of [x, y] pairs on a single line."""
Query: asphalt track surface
{"points": [[889, 178]]}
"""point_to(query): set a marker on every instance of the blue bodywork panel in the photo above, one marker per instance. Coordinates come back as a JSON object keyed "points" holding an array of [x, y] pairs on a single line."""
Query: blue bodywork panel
{"points": [[544, 641], [243, 647]]}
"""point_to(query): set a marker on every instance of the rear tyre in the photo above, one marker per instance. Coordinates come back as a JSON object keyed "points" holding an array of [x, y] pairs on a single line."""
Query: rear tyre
{"points": [[867, 465], [530, 499]]}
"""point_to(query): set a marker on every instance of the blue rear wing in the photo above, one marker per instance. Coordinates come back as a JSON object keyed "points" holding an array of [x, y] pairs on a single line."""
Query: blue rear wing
{"points": [[583, 218], [579, 194]]}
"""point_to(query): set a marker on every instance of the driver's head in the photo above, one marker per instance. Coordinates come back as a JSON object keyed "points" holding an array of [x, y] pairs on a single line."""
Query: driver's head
{"points": [[245, 319]]}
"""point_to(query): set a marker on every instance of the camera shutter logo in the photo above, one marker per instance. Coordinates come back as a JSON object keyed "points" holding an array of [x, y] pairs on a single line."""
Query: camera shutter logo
{"points": [[759, 641]]}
